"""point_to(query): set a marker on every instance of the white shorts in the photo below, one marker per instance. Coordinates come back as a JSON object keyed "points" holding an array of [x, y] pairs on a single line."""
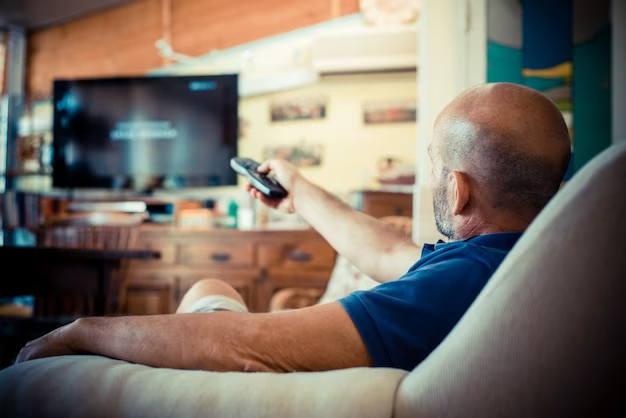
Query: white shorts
{"points": [[217, 303]]}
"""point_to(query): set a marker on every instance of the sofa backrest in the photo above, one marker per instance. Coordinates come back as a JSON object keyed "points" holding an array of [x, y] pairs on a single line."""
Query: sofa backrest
{"points": [[547, 335]]}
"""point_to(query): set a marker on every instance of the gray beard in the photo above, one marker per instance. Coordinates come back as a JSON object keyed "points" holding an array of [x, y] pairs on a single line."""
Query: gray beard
{"points": [[442, 210]]}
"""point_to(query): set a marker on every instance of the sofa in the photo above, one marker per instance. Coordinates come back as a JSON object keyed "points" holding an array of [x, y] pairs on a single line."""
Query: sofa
{"points": [[545, 338]]}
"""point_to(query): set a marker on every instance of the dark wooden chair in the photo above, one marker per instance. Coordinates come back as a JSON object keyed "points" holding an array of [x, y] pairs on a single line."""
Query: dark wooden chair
{"points": [[90, 230]]}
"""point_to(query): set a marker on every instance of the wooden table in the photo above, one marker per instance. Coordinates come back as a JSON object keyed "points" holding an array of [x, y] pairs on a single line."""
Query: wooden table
{"points": [[30, 270]]}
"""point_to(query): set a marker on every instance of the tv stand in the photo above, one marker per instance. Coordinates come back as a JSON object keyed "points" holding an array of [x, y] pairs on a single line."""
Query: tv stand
{"points": [[138, 206], [159, 210], [146, 194]]}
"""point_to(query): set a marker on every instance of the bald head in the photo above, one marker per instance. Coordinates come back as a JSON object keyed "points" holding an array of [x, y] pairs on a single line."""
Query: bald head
{"points": [[510, 141]]}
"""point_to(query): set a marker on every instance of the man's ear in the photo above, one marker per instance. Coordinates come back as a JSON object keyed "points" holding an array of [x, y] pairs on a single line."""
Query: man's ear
{"points": [[459, 191]]}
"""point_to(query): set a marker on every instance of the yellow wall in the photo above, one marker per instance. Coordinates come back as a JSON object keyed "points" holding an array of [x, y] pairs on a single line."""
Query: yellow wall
{"points": [[352, 150]]}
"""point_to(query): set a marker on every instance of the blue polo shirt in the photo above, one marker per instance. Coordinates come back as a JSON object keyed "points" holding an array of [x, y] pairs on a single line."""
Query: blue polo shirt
{"points": [[403, 321]]}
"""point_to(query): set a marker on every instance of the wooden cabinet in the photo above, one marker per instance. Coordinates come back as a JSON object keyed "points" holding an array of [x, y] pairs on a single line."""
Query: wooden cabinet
{"points": [[224, 254], [381, 203], [256, 262]]}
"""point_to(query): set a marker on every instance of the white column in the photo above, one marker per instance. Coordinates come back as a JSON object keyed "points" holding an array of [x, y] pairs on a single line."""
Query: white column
{"points": [[452, 57], [618, 40], [13, 101]]}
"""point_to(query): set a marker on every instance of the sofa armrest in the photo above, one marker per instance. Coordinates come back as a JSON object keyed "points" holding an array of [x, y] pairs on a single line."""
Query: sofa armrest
{"points": [[93, 386]]}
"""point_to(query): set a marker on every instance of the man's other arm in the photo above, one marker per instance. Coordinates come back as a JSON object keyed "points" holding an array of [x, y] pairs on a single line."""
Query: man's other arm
{"points": [[317, 338]]}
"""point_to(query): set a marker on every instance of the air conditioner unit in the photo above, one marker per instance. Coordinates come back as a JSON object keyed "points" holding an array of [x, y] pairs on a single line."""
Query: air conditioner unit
{"points": [[368, 49], [251, 84]]}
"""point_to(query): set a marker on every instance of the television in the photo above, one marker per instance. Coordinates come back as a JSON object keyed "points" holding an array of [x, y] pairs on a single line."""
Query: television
{"points": [[145, 133]]}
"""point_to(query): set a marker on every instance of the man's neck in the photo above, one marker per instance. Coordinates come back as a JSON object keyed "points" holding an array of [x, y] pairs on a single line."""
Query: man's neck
{"points": [[473, 229]]}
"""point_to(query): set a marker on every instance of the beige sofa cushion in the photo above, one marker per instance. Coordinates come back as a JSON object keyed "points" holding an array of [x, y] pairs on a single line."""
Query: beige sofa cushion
{"points": [[345, 279], [91, 386], [547, 336]]}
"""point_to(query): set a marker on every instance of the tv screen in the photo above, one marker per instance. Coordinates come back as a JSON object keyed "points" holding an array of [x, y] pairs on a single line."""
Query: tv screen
{"points": [[145, 133]]}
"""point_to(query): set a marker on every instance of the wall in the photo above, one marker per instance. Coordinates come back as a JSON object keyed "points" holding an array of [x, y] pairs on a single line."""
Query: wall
{"points": [[121, 41], [452, 58], [351, 150]]}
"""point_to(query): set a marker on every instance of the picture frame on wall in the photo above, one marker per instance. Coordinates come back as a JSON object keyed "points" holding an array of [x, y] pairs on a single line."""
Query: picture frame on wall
{"points": [[244, 126], [300, 155], [298, 108], [390, 111]]}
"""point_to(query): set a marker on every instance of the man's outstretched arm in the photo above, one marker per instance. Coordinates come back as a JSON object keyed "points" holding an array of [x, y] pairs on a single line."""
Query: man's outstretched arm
{"points": [[320, 337], [375, 247]]}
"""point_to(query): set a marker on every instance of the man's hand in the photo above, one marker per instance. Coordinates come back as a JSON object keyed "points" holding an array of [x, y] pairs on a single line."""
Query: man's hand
{"points": [[55, 343], [287, 175]]}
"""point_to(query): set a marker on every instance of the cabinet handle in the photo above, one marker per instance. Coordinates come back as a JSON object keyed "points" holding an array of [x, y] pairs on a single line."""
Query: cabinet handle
{"points": [[300, 256], [220, 257]]}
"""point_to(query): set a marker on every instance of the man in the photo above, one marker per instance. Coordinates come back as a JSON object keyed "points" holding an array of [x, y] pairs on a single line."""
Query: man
{"points": [[499, 154]]}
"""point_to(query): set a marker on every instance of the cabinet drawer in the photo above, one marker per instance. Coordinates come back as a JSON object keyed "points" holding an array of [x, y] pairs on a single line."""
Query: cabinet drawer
{"points": [[240, 254], [151, 275], [297, 255], [145, 298], [168, 253], [379, 204], [381, 209]]}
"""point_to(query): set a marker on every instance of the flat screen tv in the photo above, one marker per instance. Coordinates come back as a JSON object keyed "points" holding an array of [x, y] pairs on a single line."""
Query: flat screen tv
{"points": [[145, 133]]}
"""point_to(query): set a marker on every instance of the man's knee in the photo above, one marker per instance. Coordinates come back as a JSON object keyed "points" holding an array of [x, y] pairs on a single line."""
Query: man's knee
{"points": [[207, 287], [211, 287]]}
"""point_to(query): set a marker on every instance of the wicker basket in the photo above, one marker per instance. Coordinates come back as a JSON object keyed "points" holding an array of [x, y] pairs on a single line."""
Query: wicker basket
{"points": [[94, 230]]}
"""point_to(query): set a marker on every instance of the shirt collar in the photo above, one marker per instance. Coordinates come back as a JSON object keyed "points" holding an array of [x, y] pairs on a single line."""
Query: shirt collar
{"points": [[501, 240]]}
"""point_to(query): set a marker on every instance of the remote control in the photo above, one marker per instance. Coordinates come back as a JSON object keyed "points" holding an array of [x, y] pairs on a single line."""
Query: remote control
{"points": [[260, 181]]}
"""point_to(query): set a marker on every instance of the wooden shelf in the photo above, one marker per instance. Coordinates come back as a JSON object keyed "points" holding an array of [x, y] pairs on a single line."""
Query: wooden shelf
{"points": [[379, 203], [22, 173]]}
